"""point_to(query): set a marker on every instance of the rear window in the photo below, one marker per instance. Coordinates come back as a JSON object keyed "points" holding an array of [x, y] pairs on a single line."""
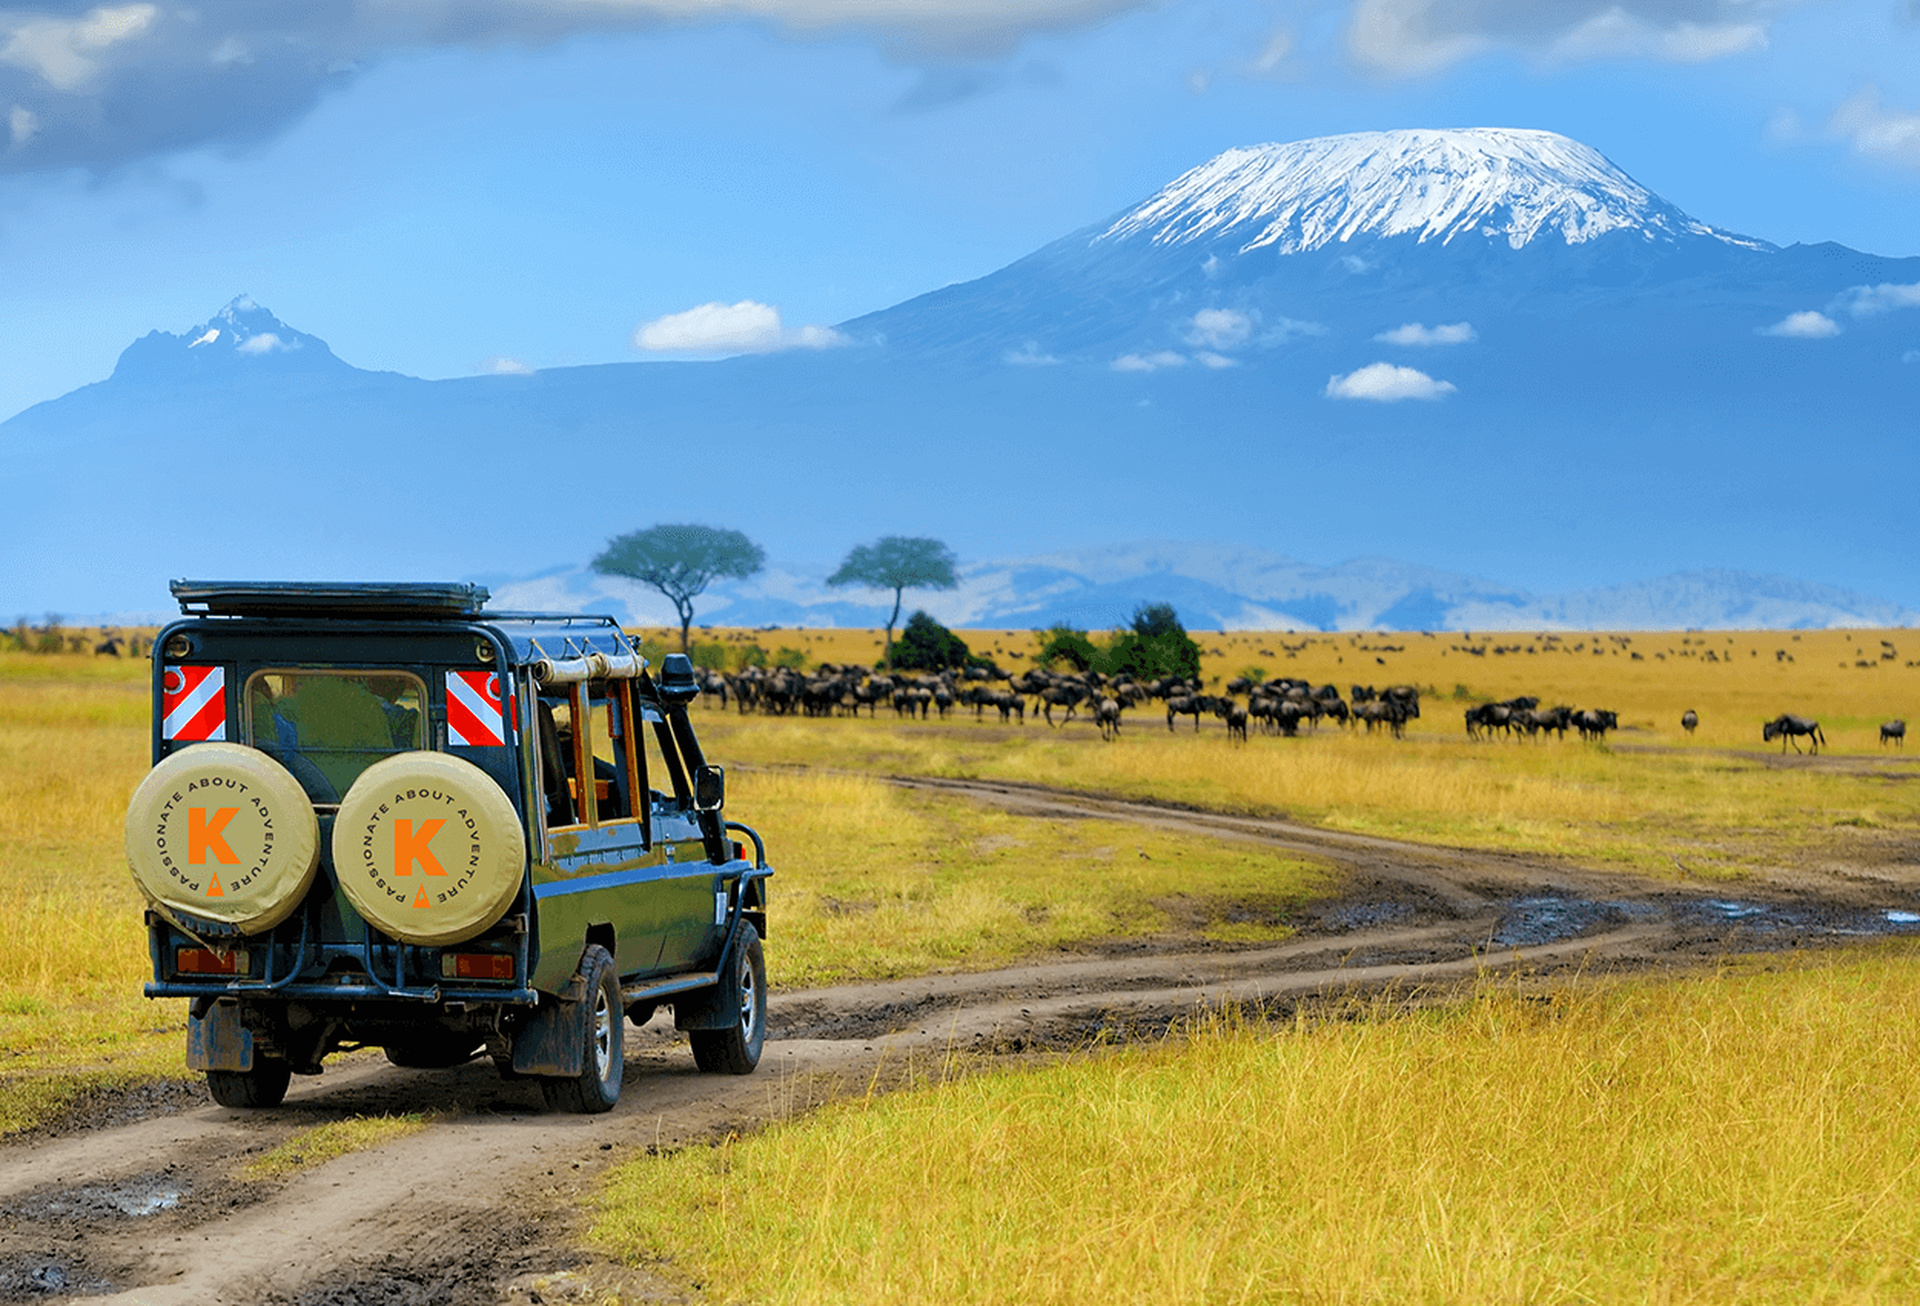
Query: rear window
{"points": [[326, 727]]}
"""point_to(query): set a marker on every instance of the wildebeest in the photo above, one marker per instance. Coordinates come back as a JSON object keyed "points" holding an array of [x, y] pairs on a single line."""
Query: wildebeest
{"points": [[1106, 715], [1593, 723], [1689, 719], [1896, 730], [1788, 728], [1236, 721]]}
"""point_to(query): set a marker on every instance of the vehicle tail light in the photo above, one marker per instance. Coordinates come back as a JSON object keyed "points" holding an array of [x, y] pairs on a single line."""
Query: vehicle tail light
{"points": [[205, 961], [477, 965], [739, 851]]}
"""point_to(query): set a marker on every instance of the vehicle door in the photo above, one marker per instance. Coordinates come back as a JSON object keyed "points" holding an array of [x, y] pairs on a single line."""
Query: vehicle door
{"points": [[602, 863], [693, 894]]}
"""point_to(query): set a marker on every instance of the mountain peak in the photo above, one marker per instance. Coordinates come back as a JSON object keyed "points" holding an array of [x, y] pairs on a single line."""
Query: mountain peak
{"points": [[243, 334], [1514, 184]]}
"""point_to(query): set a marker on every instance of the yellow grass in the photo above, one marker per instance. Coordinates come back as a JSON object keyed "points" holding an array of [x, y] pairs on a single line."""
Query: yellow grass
{"points": [[1745, 1136], [330, 1141], [73, 744], [872, 881], [1753, 675]]}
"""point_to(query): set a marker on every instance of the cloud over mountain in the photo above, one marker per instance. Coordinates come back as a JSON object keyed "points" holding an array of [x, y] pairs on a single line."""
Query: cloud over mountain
{"points": [[104, 86]]}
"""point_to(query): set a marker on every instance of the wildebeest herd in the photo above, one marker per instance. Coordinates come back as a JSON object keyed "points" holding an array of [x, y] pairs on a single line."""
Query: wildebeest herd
{"points": [[1281, 706], [1278, 706]]}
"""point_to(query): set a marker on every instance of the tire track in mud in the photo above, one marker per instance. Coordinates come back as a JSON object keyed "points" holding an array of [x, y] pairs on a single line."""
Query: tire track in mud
{"points": [[494, 1196]]}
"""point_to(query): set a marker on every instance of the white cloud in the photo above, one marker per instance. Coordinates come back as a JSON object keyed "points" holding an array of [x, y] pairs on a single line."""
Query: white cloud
{"points": [[1809, 325], [1418, 334], [1209, 359], [1274, 54], [1411, 37], [62, 51], [266, 342], [1911, 356], [1387, 383], [123, 81], [1615, 34], [1871, 301], [1030, 355], [743, 328], [1149, 362], [22, 124], [212, 334], [1888, 135], [1219, 328], [502, 366]]}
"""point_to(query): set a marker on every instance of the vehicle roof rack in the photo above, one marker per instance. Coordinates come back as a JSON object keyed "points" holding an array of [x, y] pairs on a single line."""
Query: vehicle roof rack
{"points": [[393, 599]]}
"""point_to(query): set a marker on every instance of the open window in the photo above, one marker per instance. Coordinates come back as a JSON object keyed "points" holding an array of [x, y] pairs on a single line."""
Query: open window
{"points": [[591, 772]]}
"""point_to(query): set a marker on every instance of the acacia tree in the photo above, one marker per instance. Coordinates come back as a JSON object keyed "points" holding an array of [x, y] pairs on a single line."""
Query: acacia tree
{"points": [[897, 563], [680, 562]]}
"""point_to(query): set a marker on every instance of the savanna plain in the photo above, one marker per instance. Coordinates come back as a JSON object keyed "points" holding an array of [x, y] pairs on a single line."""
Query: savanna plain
{"points": [[1722, 1123]]}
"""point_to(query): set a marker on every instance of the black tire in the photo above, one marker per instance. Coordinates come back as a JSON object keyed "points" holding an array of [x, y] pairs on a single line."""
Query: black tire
{"points": [[265, 1085], [602, 1028], [735, 1050]]}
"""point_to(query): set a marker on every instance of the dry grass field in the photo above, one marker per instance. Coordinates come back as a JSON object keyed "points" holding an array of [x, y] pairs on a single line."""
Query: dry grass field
{"points": [[1742, 1135]]}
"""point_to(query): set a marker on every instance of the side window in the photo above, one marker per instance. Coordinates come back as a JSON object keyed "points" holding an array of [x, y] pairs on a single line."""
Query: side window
{"points": [[590, 771]]}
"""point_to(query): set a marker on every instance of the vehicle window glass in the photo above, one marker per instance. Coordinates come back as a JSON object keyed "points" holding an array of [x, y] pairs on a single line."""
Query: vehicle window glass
{"points": [[326, 727], [611, 740], [556, 761]]}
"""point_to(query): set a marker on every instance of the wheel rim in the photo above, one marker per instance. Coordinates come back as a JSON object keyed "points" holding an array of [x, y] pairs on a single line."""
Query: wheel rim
{"points": [[748, 1008], [602, 1036]]}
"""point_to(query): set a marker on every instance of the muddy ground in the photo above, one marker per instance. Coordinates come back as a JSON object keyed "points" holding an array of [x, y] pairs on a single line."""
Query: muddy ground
{"points": [[133, 1197]]}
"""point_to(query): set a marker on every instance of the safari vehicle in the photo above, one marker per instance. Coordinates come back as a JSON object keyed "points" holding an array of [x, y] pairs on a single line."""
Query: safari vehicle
{"points": [[379, 816]]}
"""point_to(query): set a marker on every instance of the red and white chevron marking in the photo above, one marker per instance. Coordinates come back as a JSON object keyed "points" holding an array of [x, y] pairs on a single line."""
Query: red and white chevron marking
{"points": [[475, 715], [193, 704]]}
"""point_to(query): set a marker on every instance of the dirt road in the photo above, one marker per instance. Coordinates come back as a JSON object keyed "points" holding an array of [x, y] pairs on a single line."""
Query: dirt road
{"points": [[136, 1199]]}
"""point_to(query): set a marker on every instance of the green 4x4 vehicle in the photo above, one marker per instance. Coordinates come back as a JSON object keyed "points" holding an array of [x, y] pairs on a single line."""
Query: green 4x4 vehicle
{"points": [[379, 816]]}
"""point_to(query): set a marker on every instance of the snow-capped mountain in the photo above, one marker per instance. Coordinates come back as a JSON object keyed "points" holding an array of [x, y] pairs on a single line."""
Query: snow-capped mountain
{"points": [[242, 336], [1490, 352], [1502, 184]]}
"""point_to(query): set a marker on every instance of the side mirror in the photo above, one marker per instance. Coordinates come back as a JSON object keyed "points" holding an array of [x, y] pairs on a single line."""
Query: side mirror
{"points": [[709, 788], [677, 683]]}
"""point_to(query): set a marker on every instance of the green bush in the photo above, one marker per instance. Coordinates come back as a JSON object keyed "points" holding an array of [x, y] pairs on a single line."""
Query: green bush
{"points": [[926, 645]]}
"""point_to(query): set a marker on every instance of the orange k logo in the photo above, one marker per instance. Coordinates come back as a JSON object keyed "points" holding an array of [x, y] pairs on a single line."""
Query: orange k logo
{"points": [[203, 836], [410, 846]]}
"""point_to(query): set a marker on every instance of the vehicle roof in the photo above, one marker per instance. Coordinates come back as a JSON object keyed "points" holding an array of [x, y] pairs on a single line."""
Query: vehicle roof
{"points": [[529, 635]]}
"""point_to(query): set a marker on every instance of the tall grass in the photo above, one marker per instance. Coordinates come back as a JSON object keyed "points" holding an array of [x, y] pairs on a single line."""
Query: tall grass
{"points": [[1724, 814], [73, 744], [1745, 1136]]}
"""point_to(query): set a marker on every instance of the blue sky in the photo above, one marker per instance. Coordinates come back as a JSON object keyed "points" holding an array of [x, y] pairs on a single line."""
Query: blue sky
{"points": [[447, 189]]}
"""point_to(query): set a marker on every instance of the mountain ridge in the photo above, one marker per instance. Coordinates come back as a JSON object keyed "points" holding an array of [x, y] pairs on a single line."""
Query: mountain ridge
{"points": [[1558, 414]]}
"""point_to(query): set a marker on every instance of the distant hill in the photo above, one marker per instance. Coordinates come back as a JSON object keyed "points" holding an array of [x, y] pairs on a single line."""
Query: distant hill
{"points": [[1219, 587], [1488, 351]]}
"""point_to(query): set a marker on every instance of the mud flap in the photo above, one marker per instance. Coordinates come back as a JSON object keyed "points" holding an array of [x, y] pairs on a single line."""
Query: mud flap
{"points": [[707, 1008], [553, 1042], [218, 1041]]}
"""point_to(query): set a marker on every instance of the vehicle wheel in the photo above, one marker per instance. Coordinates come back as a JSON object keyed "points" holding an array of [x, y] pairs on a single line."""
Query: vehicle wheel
{"points": [[437, 1051], [735, 1050], [264, 1085], [597, 1087]]}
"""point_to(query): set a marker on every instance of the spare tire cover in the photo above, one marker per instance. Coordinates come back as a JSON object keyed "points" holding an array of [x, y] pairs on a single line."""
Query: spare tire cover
{"points": [[224, 833], [428, 848]]}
